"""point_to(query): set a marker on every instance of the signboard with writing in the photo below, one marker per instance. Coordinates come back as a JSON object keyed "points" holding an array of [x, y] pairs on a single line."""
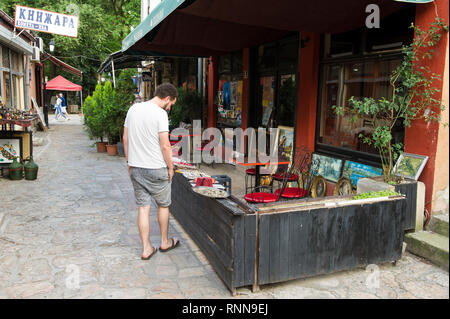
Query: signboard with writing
{"points": [[146, 76], [46, 21]]}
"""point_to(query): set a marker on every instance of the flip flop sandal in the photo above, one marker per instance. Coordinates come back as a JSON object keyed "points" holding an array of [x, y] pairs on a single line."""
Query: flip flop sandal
{"points": [[171, 247], [149, 256]]}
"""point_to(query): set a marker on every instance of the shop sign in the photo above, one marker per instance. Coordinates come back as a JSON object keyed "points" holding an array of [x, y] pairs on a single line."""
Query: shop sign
{"points": [[146, 76], [46, 21]]}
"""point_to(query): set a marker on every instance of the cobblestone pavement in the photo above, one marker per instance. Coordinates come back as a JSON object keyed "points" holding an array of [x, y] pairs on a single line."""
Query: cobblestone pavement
{"points": [[79, 217]]}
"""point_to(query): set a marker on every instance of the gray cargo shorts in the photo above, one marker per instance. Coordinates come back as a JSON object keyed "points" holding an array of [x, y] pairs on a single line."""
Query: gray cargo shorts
{"points": [[149, 183]]}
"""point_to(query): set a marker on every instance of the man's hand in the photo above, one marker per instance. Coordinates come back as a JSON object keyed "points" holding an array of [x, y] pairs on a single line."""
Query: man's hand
{"points": [[128, 170], [170, 174]]}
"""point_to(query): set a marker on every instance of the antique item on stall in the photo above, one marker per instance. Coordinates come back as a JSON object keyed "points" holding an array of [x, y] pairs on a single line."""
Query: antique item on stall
{"points": [[183, 164], [328, 167], [319, 187], [192, 174], [306, 181], [210, 192], [9, 149], [343, 187], [225, 181], [31, 170], [285, 138], [204, 181], [410, 165], [15, 169], [354, 171]]}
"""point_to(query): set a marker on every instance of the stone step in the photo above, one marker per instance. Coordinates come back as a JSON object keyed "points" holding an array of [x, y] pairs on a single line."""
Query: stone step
{"points": [[429, 245], [439, 224]]}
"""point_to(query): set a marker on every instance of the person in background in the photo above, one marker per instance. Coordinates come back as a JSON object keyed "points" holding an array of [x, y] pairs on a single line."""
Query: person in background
{"points": [[64, 105], [57, 108]]}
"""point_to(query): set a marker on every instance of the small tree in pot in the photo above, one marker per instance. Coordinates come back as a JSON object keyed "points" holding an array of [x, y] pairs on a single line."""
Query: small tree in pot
{"points": [[93, 117], [413, 98]]}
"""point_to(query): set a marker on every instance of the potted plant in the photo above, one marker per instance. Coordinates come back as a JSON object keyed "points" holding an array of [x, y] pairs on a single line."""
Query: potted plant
{"points": [[93, 118], [109, 113], [187, 107]]}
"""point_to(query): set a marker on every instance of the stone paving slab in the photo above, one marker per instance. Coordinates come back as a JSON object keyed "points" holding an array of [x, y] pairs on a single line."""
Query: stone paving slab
{"points": [[79, 220]]}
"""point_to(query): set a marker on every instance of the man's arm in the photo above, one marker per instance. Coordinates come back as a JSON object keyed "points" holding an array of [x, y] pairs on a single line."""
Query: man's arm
{"points": [[125, 145], [166, 150]]}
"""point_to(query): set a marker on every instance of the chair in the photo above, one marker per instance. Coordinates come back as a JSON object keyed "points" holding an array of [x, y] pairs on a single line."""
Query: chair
{"points": [[297, 172], [250, 176], [258, 197]]}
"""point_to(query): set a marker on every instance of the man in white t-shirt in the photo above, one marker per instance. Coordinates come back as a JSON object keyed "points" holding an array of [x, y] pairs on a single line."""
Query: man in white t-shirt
{"points": [[149, 157]]}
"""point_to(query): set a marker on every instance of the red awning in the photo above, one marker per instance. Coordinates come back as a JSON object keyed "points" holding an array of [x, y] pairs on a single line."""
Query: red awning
{"points": [[61, 84]]}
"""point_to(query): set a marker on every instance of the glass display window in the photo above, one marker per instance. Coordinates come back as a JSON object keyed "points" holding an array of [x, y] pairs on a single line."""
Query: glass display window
{"points": [[229, 95], [342, 81]]}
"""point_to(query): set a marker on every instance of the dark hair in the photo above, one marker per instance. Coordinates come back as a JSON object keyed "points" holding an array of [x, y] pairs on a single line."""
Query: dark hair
{"points": [[166, 89]]}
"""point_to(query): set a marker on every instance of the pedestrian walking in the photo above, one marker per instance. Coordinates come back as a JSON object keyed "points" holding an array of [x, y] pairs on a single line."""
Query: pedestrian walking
{"points": [[57, 108], [64, 106], [149, 157]]}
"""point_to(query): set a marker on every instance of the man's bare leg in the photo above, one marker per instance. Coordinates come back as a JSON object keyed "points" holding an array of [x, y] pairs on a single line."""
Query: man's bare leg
{"points": [[163, 220], [144, 230]]}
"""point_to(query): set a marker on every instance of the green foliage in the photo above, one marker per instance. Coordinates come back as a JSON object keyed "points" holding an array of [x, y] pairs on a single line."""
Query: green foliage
{"points": [[103, 24], [413, 97], [105, 111], [93, 114], [187, 108], [373, 194]]}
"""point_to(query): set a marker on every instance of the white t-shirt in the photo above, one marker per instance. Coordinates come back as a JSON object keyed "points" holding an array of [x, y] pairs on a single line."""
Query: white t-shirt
{"points": [[144, 122]]}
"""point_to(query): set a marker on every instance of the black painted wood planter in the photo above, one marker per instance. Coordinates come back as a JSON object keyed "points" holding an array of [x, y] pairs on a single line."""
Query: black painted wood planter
{"points": [[275, 244], [409, 189]]}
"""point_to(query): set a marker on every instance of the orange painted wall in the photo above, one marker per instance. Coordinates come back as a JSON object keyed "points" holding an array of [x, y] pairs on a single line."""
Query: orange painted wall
{"points": [[422, 138], [308, 78]]}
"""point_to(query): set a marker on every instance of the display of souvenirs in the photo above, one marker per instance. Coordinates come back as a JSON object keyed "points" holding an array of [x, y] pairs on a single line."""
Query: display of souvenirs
{"points": [[343, 187], [210, 192], [178, 162], [13, 114]]}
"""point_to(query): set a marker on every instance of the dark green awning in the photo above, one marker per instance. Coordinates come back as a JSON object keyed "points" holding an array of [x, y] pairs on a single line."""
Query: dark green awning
{"points": [[162, 10]]}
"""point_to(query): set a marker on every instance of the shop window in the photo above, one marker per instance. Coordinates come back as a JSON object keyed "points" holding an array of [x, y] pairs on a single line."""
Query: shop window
{"points": [[359, 64], [5, 57], [288, 54], [286, 100], [342, 81], [267, 56], [342, 44], [229, 96], [7, 89]]}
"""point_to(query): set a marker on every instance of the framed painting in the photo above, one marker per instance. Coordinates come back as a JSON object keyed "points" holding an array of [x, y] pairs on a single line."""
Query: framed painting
{"points": [[10, 147], [285, 140], [326, 166], [410, 165], [354, 171]]}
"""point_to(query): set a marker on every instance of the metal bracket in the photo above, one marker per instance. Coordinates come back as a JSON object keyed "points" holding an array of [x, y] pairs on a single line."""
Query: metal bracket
{"points": [[14, 32]]}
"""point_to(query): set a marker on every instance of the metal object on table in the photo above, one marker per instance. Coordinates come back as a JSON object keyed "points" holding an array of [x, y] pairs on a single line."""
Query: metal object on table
{"points": [[224, 180], [210, 192]]}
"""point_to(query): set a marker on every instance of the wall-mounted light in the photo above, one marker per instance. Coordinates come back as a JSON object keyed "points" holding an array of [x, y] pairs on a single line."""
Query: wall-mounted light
{"points": [[51, 45]]}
